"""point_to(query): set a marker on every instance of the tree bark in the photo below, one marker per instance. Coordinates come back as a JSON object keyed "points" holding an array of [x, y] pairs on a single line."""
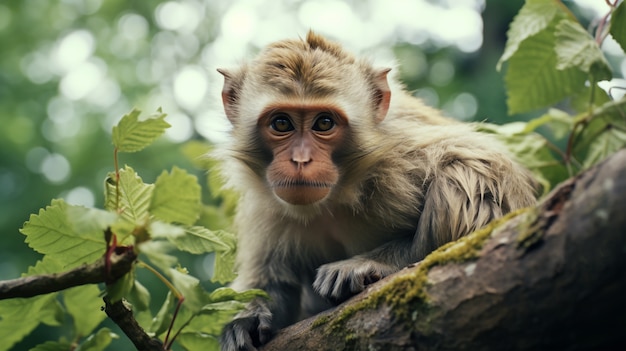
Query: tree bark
{"points": [[547, 278]]}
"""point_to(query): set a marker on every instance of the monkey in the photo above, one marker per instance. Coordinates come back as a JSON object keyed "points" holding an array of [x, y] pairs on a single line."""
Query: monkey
{"points": [[344, 178]]}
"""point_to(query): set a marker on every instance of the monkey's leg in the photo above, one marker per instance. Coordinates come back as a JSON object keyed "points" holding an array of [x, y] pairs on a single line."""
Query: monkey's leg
{"points": [[256, 325]]}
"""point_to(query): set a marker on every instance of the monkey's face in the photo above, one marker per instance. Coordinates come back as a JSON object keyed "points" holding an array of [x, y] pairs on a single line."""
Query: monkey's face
{"points": [[302, 140]]}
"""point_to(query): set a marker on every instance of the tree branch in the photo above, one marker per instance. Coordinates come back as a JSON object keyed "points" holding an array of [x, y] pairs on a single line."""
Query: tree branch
{"points": [[551, 278], [123, 317], [121, 263]]}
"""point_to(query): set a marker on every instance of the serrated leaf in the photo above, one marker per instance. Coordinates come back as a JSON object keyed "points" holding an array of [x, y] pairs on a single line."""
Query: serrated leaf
{"points": [[605, 144], [532, 80], [195, 296], [53, 346], [194, 239], [618, 25], [84, 304], [132, 134], [134, 196], [176, 197], [98, 341], [532, 18], [13, 312], [575, 48], [52, 233]]}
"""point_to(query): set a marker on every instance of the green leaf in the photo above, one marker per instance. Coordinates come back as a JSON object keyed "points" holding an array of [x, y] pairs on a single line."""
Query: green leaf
{"points": [[158, 254], [132, 134], [98, 341], [197, 152], [134, 196], [139, 297], [161, 321], [176, 197], [51, 232], [532, 80], [53, 346], [19, 317], [618, 25], [559, 122], [575, 48], [228, 294], [604, 134], [225, 260], [198, 341], [84, 304], [534, 17], [122, 287], [195, 295]]}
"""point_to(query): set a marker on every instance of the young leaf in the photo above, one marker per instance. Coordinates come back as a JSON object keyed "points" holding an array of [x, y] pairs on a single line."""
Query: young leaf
{"points": [[139, 297], [84, 304], [532, 79], [122, 287], [534, 17], [575, 48], [161, 321], [135, 196], [132, 134], [98, 341], [52, 233], [195, 296], [176, 197], [225, 260], [618, 25]]}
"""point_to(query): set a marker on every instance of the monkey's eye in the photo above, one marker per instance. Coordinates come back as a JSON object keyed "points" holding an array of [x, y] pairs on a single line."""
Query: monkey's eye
{"points": [[281, 123], [323, 123]]}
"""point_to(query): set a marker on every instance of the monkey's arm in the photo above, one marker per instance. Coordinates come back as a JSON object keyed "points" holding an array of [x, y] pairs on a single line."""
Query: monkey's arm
{"points": [[463, 196], [256, 325]]}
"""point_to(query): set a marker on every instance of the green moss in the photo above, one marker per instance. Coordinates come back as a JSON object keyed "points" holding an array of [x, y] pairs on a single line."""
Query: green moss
{"points": [[530, 230], [406, 294]]}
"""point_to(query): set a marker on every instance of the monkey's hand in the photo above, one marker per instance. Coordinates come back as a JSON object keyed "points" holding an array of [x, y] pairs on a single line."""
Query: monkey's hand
{"points": [[250, 328], [340, 280]]}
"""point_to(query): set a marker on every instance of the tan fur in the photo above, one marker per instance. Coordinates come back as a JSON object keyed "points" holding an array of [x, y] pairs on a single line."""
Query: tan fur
{"points": [[408, 184]]}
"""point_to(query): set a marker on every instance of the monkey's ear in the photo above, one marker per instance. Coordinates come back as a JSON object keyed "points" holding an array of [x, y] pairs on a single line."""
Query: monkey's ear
{"points": [[230, 95], [382, 94]]}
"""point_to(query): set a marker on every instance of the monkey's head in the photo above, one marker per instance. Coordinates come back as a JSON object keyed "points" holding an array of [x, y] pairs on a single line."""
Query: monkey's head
{"points": [[297, 108]]}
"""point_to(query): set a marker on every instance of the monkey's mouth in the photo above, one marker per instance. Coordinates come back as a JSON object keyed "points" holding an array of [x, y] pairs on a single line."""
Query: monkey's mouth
{"points": [[301, 192], [300, 183]]}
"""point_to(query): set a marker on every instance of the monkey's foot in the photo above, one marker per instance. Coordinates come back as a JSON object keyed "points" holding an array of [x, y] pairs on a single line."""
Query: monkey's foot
{"points": [[340, 280]]}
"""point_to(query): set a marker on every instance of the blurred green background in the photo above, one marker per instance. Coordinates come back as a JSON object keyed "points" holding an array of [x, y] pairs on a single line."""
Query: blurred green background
{"points": [[70, 69]]}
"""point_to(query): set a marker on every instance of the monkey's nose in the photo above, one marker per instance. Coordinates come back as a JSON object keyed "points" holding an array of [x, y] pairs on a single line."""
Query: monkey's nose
{"points": [[301, 156]]}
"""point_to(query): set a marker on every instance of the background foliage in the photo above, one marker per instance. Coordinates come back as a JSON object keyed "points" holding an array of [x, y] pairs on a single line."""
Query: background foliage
{"points": [[55, 138]]}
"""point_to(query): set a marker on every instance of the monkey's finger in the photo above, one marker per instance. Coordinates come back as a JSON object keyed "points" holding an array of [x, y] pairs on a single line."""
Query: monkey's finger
{"points": [[236, 335], [265, 329]]}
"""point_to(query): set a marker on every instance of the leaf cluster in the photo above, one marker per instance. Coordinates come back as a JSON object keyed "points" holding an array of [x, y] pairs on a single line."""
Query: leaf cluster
{"points": [[155, 220], [554, 63]]}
